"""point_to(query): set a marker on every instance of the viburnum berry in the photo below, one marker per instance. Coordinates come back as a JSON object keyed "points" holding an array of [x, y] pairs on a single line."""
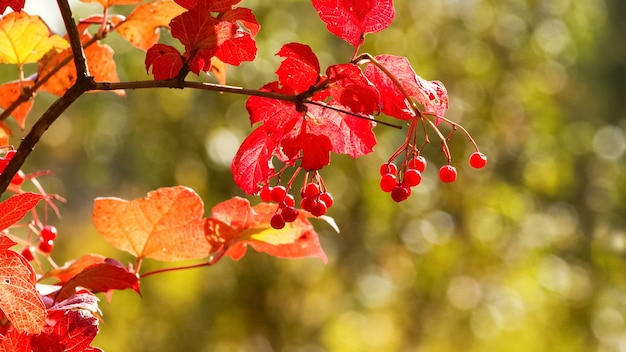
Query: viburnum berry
{"points": [[327, 198], [310, 190], [412, 177], [388, 168], [447, 173], [418, 163], [278, 193], [29, 253], [18, 178], [45, 246], [319, 208], [308, 203], [289, 214], [478, 160], [266, 193], [400, 192], [388, 182], [277, 221], [288, 201], [48, 233]]}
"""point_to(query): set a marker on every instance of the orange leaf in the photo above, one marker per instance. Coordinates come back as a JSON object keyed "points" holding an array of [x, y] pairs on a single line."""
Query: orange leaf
{"points": [[109, 3], [166, 225], [99, 60], [71, 269], [10, 92], [13, 209], [251, 226], [218, 68], [19, 300], [26, 39], [5, 133], [141, 27]]}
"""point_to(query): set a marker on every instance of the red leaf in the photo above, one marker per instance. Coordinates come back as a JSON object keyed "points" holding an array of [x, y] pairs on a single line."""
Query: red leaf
{"points": [[314, 150], [351, 89], [430, 94], [252, 165], [165, 225], [296, 240], [165, 61], [211, 5], [13, 209], [244, 16], [19, 300], [67, 330], [102, 277], [16, 5], [15, 341], [350, 20], [237, 50], [300, 69], [73, 268]]}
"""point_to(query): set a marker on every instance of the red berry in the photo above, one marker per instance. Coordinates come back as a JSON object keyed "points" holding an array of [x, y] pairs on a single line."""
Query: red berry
{"points": [[388, 182], [400, 192], [288, 201], [447, 173], [18, 178], [310, 190], [278, 193], [478, 160], [48, 233], [266, 193], [46, 246], [307, 203], [290, 214], [418, 163], [412, 177], [327, 199], [388, 168], [277, 221], [319, 209], [29, 253]]}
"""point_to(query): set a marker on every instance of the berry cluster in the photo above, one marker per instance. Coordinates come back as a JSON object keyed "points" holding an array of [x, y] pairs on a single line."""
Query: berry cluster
{"points": [[315, 199], [399, 182], [47, 235], [19, 177]]}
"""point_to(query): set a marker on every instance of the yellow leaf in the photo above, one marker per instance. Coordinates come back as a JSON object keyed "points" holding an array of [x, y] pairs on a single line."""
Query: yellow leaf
{"points": [[26, 39]]}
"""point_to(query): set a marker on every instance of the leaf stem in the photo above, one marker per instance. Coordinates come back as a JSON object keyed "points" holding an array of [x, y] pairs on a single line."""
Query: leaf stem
{"points": [[213, 260]]}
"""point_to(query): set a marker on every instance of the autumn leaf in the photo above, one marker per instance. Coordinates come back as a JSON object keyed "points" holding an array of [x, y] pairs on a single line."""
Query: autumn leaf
{"points": [[9, 93], [74, 267], [252, 164], [16, 5], [15, 341], [68, 330], [218, 69], [5, 133], [99, 59], [13, 209], [166, 225], [432, 95], [109, 3], [350, 88], [141, 27], [164, 60], [252, 227], [101, 277], [26, 39], [210, 5], [350, 20], [19, 300]]}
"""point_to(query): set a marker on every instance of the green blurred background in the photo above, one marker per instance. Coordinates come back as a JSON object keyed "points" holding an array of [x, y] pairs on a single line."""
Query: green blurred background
{"points": [[524, 255]]}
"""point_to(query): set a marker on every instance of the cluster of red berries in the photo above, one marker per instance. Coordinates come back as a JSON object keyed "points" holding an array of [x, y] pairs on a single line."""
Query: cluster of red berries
{"points": [[314, 200], [47, 235], [19, 177], [399, 183]]}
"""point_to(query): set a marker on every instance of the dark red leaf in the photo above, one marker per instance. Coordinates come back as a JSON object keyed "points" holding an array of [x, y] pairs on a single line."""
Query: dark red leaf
{"points": [[350, 20], [102, 277], [350, 88], [16, 5], [13, 209], [252, 164], [300, 69], [67, 330], [314, 150], [166, 61], [211, 5]]}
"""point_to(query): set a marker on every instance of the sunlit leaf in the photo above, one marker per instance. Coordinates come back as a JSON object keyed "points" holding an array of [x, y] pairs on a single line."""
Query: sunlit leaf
{"points": [[26, 39], [141, 27], [13, 209], [19, 300], [9, 93], [164, 60], [166, 225]]}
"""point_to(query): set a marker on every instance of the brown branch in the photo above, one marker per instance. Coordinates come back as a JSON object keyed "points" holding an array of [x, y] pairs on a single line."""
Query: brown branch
{"points": [[72, 33]]}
